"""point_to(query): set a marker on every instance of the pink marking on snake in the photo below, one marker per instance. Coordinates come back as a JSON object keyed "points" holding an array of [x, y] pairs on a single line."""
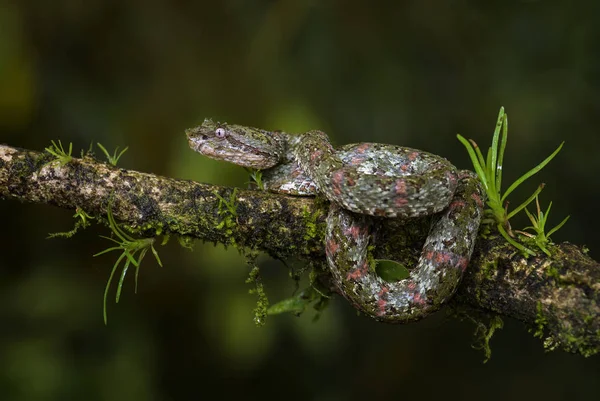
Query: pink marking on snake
{"points": [[448, 258], [355, 161], [363, 147], [463, 263], [353, 231], [338, 177], [457, 204], [413, 156], [400, 202], [306, 186], [331, 247], [442, 257], [477, 199], [418, 298], [358, 272], [451, 177], [400, 187], [382, 303], [337, 181], [315, 155]]}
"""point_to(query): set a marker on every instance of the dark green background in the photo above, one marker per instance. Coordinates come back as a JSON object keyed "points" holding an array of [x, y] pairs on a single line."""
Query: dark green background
{"points": [[138, 73]]}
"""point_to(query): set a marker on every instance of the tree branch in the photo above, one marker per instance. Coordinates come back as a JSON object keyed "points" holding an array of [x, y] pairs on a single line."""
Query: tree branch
{"points": [[557, 296]]}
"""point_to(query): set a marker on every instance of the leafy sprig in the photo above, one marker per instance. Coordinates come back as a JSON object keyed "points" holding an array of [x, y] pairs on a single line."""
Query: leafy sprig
{"points": [[58, 151], [83, 221], [114, 159], [489, 170], [132, 251], [256, 176], [538, 226]]}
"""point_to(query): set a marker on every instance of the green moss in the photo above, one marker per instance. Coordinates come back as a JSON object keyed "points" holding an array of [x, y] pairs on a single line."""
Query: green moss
{"points": [[371, 259], [262, 303], [581, 341], [540, 321], [186, 241], [83, 221], [552, 272], [576, 342], [488, 269], [484, 333], [313, 228], [227, 211], [156, 227]]}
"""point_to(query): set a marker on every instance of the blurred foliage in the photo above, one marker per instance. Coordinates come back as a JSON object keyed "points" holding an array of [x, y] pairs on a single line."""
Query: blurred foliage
{"points": [[413, 73]]}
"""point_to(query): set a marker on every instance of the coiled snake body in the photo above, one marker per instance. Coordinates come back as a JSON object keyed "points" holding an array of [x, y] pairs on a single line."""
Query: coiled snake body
{"points": [[359, 180]]}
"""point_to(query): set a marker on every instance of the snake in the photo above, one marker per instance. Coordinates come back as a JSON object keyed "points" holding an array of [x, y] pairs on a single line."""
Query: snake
{"points": [[364, 182]]}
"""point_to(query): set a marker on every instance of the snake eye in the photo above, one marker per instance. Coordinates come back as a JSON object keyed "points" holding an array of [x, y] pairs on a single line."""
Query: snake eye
{"points": [[220, 133]]}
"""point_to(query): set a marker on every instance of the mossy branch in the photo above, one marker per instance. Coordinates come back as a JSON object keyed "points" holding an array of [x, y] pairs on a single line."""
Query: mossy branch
{"points": [[562, 291]]}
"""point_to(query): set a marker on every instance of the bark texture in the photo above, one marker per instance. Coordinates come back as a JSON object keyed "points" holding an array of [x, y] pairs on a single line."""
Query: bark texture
{"points": [[558, 296]]}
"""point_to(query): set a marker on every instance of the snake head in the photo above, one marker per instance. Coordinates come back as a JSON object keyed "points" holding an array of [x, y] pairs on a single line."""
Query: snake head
{"points": [[244, 146]]}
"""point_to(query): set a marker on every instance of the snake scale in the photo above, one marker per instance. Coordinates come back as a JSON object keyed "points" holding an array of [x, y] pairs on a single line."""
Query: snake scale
{"points": [[362, 180]]}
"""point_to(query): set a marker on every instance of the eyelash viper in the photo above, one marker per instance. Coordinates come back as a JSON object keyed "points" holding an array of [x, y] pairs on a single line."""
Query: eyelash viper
{"points": [[362, 180]]}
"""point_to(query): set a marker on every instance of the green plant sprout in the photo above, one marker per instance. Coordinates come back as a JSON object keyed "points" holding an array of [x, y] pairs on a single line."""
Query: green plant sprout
{"points": [[83, 222], [256, 176], [114, 159], [538, 226], [489, 170], [227, 211], [88, 152], [59, 152], [226, 206], [129, 247], [310, 296], [298, 303]]}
